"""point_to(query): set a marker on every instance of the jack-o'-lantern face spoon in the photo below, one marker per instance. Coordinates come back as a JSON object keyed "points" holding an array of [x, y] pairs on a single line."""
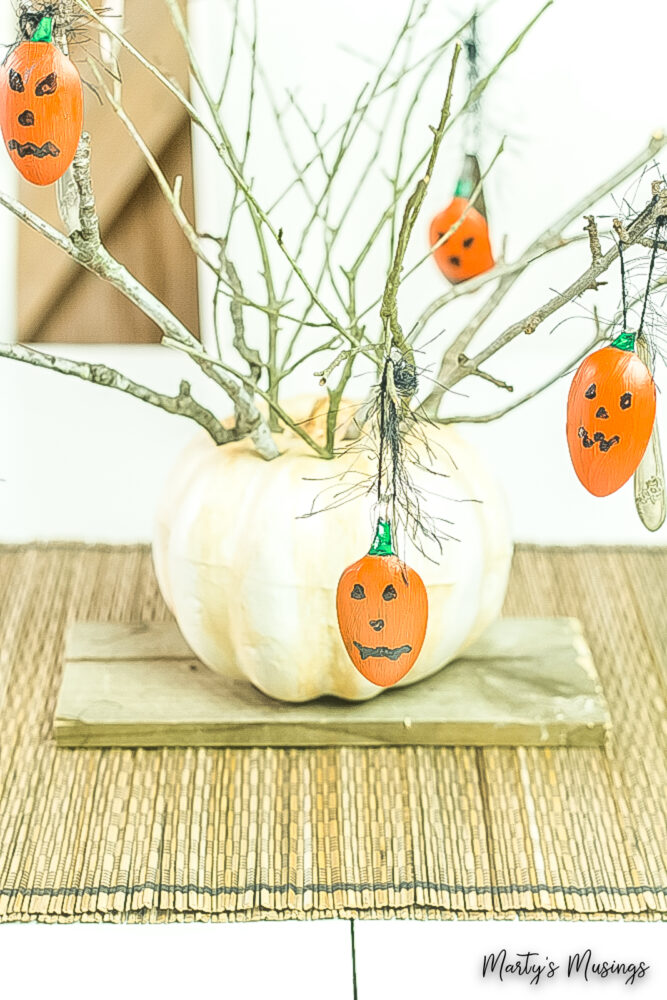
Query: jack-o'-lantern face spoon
{"points": [[382, 612], [467, 252], [610, 415], [41, 107]]}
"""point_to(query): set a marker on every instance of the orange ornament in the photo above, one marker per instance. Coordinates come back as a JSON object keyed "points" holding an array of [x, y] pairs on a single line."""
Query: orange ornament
{"points": [[382, 612], [467, 252], [41, 107], [610, 416]]}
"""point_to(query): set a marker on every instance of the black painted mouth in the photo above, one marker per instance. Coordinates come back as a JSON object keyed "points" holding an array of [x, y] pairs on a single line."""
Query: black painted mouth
{"points": [[598, 438], [30, 149], [382, 651]]}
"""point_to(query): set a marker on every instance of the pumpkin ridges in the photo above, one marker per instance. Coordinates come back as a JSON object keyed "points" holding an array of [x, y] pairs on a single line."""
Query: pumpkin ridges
{"points": [[492, 521], [302, 664]]}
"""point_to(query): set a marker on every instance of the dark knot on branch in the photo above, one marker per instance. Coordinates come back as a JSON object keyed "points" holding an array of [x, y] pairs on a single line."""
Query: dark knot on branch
{"points": [[405, 377]]}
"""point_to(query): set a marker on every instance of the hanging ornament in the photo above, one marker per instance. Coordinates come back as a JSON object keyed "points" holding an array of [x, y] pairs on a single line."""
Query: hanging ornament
{"points": [[611, 406], [41, 106], [467, 252], [382, 612], [381, 602], [610, 414]]}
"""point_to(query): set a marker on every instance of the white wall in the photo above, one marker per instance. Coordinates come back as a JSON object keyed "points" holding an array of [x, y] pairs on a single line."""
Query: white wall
{"points": [[578, 100]]}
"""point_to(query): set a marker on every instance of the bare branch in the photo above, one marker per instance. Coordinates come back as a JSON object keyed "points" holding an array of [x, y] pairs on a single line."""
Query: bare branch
{"points": [[249, 354], [471, 99], [393, 335], [172, 197], [588, 280], [475, 195], [547, 241], [198, 355], [85, 247], [183, 404], [486, 418], [488, 377], [593, 238]]}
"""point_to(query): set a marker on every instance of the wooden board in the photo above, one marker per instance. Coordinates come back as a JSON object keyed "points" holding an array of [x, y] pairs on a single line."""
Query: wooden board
{"points": [[527, 682]]}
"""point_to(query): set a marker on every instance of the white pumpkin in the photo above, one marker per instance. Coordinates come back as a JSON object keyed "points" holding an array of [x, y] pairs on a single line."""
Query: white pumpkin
{"points": [[252, 583]]}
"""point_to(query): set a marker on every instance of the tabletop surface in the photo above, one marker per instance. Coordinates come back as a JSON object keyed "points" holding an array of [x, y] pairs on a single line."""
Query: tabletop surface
{"points": [[261, 833]]}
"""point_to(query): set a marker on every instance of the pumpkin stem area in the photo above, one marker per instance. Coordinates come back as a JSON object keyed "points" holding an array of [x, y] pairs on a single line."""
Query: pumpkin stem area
{"points": [[44, 31], [625, 341], [382, 543]]}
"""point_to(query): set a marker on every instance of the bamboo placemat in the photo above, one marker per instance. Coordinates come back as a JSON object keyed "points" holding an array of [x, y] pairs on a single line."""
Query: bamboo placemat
{"points": [[243, 834]]}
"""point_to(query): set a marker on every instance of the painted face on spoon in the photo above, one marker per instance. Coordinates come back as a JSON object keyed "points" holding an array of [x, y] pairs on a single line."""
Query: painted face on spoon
{"points": [[382, 610]]}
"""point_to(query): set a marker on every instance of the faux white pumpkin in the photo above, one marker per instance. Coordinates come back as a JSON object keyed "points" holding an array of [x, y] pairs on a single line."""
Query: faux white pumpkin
{"points": [[252, 583]]}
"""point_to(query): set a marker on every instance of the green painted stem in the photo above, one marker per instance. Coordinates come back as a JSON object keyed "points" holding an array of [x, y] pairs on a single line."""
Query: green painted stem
{"points": [[625, 341], [44, 31], [382, 543]]}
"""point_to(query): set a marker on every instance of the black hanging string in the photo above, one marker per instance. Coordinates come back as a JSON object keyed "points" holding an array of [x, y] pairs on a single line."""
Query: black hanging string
{"points": [[391, 458], [624, 291], [654, 253], [383, 403], [472, 51], [473, 125]]}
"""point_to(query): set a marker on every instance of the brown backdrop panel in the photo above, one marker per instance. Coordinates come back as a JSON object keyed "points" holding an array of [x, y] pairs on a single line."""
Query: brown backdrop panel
{"points": [[146, 238], [59, 302]]}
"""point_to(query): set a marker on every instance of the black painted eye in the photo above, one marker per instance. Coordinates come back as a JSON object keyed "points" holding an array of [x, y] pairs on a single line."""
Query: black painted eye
{"points": [[626, 400], [469, 242], [47, 86], [358, 592], [15, 81], [389, 593], [456, 261], [591, 391]]}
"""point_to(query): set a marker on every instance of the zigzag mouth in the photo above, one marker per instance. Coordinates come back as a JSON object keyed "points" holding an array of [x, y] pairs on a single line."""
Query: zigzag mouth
{"points": [[30, 149], [598, 438], [382, 651]]}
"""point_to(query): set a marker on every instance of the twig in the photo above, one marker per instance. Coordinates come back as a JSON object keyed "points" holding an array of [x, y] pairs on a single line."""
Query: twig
{"points": [[182, 404], [488, 377], [474, 196], [249, 354], [277, 237], [551, 239], [198, 354], [472, 97], [393, 334], [589, 279], [85, 247], [486, 418], [593, 238], [172, 197], [222, 147]]}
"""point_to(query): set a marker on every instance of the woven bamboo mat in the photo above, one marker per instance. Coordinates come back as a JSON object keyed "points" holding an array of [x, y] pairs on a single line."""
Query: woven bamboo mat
{"points": [[178, 834]]}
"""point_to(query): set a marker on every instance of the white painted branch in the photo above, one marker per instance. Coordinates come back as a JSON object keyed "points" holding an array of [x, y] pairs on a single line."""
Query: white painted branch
{"points": [[183, 404], [85, 247]]}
